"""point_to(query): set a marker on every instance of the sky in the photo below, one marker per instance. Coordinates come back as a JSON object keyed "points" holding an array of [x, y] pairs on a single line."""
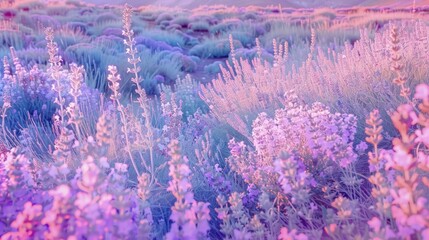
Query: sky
{"points": [[284, 3]]}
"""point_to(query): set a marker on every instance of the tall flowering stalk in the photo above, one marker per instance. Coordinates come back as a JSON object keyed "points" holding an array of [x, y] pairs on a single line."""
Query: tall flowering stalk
{"points": [[7, 75], [66, 140], [114, 79], [105, 133], [55, 69], [143, 100], [75, 115], [281, 53], [312, 46], [64, 144], [396, 62], [190, 218], [6, 103], [130, 42], [410, 161], [143, 192], [19, 69], [381, 186], [404, 201]]}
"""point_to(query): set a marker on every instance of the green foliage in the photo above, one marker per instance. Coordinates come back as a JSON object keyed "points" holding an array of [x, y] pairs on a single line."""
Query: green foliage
{"points": [[171, 38], [214, 48], [11, 38]]}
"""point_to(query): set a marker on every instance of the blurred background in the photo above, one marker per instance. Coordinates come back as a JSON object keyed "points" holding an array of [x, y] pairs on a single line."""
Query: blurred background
{"points": [[287, 3]]}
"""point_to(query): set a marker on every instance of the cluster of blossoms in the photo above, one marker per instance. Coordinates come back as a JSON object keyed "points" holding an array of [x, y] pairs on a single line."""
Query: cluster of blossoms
{"points": [[35, 87], [33, 83], [304, 152], [94, 202], [293, 179], [399, 175], [79, 193], [315, 138], [16, 188]]}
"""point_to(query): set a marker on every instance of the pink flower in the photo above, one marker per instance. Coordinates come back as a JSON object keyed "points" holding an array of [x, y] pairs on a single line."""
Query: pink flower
{"points": [[344, 162], [375, 224], [400, 159], [183, 170], [422, 91], [417, 222], [402, 197], [62, 191], [222, 214], [190, 215], [421, 203], [190, 219], [405, 231], [408, 115], [83, 200], [423, 159], [425, 234], [90, 173], [399, 215], [423, 136], [121, 167], [30, 212], [292, 235]]}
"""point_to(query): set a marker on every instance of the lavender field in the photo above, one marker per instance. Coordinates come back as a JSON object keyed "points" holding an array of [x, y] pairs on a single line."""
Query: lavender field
{"points": [[293, 121]]}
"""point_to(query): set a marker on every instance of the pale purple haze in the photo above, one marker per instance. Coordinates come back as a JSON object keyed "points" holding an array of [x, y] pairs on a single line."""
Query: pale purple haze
{"points": [[287, 3]]}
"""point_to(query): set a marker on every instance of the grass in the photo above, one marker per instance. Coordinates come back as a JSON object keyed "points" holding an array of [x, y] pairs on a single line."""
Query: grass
{"points": [[214, 48], [168, 37], [12, 38]]}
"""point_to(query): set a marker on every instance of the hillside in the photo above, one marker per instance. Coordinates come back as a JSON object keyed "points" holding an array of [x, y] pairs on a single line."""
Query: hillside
{"points": [[289, 3]]}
